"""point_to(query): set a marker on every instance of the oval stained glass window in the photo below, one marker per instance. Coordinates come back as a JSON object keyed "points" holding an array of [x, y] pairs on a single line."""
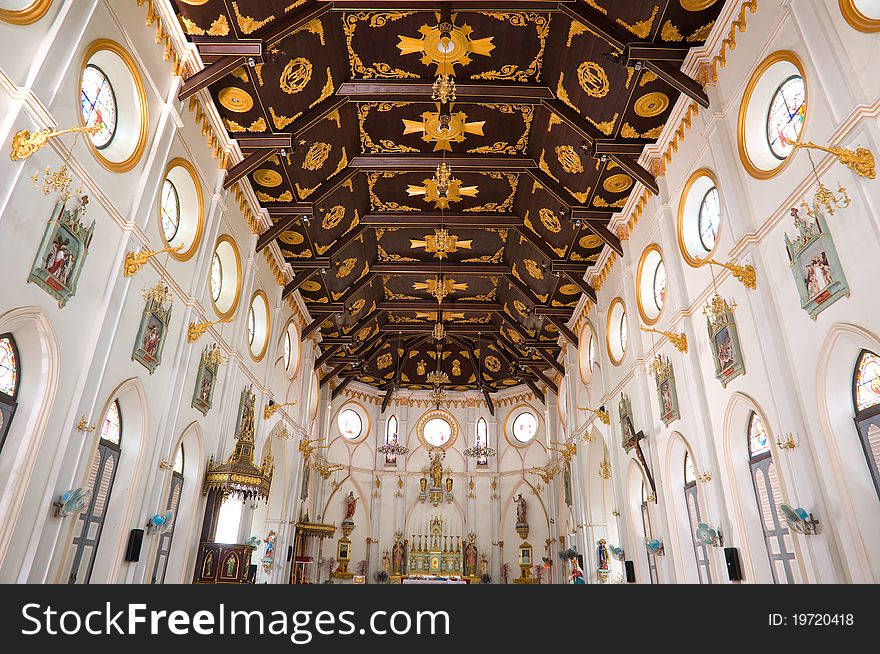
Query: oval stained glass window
{"points": [[350, 425], [98, 103], [659, 286], [709, 219], [525, 426], [216, 277], [785, 118], [170, 207]]}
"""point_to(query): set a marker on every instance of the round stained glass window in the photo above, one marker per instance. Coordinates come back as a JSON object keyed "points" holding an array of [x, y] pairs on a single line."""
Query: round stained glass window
{"points": [[622, 328], [251, 326], [350, 425], [216, 277], [437, 432], [525, 426], [659, 286], [286, 350], [709, 219], [98, 103], [785, 118], [170, 207]]}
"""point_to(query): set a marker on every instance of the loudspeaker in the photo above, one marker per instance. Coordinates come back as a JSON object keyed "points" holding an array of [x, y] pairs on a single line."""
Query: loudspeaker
{"points": [[734, 569], [289, 553], [630, 572], [135, 540]]}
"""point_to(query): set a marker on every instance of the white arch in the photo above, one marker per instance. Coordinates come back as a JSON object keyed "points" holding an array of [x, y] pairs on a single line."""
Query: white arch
{"points": [[40, 362], [191, 507], [851, 499], [680, 536]]}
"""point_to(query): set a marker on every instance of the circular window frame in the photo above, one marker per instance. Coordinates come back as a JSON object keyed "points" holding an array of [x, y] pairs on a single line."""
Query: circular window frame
{"points": [[187, 167], [108, 45], [363, 414], [746, 111], [292, 329], [688, 202], [226, 238], [431, 415], [27, 16], [587, 333], [315, 396], [643, 261], [561, 403], [360, 418], [615, 302], [267, 328], [856, 19], [106, 78], [515, 413]]}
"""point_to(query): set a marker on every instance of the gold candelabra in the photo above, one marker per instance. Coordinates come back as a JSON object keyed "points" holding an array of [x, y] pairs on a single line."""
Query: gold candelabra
{"points": [[134, 261], [705, 477], [547, 473], [84, 426], [283, 435], [745, 274], [679, 341], [324, 468], [600, 413], [25, 143], [443, 90], [860, 161], [197, 329], [567, 450], [605, 469], [588, 437], [165, 464], [306, 447], [272, 407], [787, 444]]}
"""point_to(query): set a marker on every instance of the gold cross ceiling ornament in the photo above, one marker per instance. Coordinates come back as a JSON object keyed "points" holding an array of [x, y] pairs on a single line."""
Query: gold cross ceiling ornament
{"points": [[441, 243], [430, 192], [440, 287], [443, 129], [445, 51]]}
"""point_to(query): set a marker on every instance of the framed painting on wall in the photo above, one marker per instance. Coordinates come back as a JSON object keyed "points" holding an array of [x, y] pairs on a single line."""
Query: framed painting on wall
{"points": [[818, 273], [724, 338], [154, 327], [664, 378], [62, 252], [206, 379]]}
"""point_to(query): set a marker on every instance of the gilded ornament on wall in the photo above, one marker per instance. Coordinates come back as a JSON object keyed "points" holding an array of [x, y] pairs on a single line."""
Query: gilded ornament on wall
{"points": [[593, 79], [296, 74], [317, 156]]}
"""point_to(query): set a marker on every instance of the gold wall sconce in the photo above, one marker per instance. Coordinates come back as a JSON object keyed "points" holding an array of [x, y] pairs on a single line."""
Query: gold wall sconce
{"points": [[605, 469], [134, 261], [860, 161], [679, 341], [600, 413], [165, 464], [272, 407], [197, 329], [705, 477], [787, 444], [84, 426], [25, 143], [745, 274]]}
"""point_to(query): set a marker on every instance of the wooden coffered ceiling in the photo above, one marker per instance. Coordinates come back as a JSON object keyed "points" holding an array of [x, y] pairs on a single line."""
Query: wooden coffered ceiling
{"points": [[331, 105]]}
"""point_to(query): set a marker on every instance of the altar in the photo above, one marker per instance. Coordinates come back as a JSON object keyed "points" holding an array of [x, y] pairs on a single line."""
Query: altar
{"points": [[435, 553], [418, 579]]}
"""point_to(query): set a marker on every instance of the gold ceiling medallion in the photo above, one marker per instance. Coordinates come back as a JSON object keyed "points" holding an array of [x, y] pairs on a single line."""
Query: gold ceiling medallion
{"points": [[593, 79], [446, 51], [590, 242], [569, 159], [618, 183], [441, 243], [294, 238], [651, 104], [492, 363], [442, 129], [296, 74], [433, 190], [521, 308], [235, 99], [268, 178], [440, 287], [310, 286], [317, 156], [346, 267], [534, 269], [696, 5], [550, 220], [333, 217], [569, 289]]}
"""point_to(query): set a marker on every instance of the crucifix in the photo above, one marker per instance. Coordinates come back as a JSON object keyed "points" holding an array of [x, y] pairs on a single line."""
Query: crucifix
{"points": [[632, 441]]}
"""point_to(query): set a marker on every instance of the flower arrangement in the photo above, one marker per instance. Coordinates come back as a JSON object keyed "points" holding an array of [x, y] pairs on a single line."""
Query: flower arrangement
{"points": [[568, 554], [381, 576], [485, 579], [505, 573], [538, 571], [361, 567]]}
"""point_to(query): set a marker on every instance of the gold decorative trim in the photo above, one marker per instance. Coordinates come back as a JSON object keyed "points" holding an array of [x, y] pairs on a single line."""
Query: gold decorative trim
{"points": [[132, 160], [653, 247], [695, 262], [27, 16], [186, 255], [856, 19], [226, 238], [586, 334], [750, 166]]}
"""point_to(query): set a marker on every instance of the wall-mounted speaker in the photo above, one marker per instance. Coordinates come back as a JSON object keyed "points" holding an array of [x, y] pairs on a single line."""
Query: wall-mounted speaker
{"points": [[734, 568], [289, 553], [135, 540], [630, 572]]}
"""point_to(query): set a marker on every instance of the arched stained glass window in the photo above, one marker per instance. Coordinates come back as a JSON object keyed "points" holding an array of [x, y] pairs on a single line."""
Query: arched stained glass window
{"points": [[170, 208], [692, 499], [709, 219], [10, 376], [391, 439], [172, 505], [482, 440], [866, 400], [768, 494], [648, 534], [90, 521], [592, 351], [785, 118], [98, 105]]}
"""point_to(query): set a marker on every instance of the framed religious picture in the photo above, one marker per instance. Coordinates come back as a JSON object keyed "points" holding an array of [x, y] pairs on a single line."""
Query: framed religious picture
{"points": [[206, 378], [627, 430], [724, 338], [664, 378], [566, 482], [154, 327], [342, 550], [63, 252], [525, 554], [815, 265]]}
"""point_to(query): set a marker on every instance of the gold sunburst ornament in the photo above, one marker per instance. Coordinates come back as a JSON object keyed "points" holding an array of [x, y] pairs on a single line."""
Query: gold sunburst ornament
{"points": [[441, 243], [445, 45], [440, 287], [442, 129], [442, 188]]}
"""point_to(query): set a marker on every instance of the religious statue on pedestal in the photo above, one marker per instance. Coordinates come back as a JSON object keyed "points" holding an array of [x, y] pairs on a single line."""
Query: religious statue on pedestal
{"points": [[437, 471], [350, 506], [386, 562], [397, 555], [484, 565], [520, 503], [470, 557]]}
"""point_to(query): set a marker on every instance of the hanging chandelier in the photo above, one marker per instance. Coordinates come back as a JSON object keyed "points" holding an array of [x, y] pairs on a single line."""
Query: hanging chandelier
{"points": [[480, 451], [439, 332], [443, 90], [392, 448], [443, 179]]}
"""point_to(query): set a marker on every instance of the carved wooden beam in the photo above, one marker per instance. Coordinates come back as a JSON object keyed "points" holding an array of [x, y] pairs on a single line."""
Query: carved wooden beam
{"points": [[569, 335], [429, 162], [547, 381], [390, 90], [208, 75], [428, 328], [296, 20], [356, 287], [431, 305], [536, 390], [211, 47], [298, 280], [524, 289], [338, 390], [598, 228], [582, 284], [312, 327], [246, 166], [664, 60], [488, 401], [333, 184], [326, 378], [318, 263], [326, 355], [431, 268], [430, 220], [461, 5]]}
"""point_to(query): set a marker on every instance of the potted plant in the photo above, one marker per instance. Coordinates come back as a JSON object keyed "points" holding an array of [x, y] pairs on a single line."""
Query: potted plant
{"points": [[505, 573], [381, 576], [485, 579]]}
